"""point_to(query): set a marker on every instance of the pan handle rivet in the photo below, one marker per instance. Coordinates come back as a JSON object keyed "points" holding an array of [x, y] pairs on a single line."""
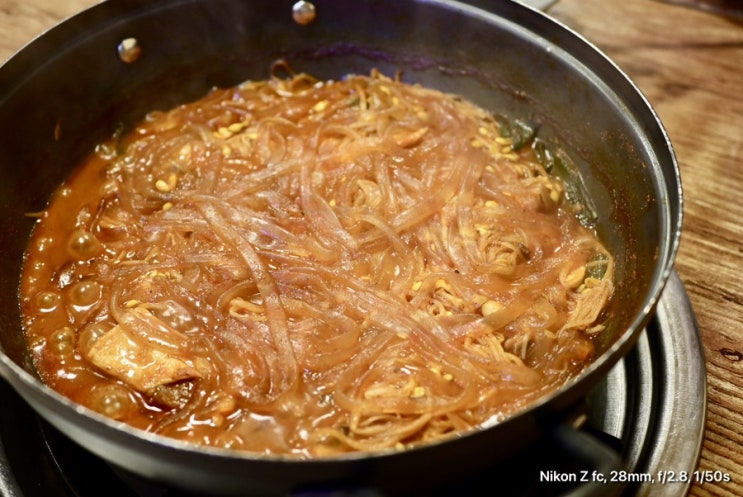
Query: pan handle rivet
{"points": [[129, 50], [304, 12]]}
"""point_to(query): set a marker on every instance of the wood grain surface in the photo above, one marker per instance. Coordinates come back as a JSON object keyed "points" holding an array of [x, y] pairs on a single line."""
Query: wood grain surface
{"points": [[689, 64]]}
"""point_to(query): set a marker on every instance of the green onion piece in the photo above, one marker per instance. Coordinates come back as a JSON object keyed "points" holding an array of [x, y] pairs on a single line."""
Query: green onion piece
{"points": [[520, 133]]}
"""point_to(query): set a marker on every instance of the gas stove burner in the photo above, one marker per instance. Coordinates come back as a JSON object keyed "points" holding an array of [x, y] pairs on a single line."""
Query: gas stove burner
{"points": [[650, 408]]}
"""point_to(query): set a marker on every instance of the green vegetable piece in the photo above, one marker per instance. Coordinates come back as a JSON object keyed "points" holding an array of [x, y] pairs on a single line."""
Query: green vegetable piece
{"points": [[543, 154], [520, 133], [596, 267]]}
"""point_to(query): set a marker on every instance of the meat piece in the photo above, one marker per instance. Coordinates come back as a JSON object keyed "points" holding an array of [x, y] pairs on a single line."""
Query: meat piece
{"points": [[129, 354]]}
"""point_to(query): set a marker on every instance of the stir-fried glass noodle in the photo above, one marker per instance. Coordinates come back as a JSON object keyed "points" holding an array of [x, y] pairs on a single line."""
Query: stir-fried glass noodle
{"points": [[308, 267]]}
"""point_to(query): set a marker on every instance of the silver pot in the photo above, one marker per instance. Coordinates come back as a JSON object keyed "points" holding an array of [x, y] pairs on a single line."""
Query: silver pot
{"points": [[70, 89]]}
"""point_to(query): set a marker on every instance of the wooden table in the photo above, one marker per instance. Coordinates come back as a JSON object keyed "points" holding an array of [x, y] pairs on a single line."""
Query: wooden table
{"points": [[689, 64]]}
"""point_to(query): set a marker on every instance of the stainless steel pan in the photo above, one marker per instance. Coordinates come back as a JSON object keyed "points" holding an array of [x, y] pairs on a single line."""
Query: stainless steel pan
{"points": [[69, 89]]}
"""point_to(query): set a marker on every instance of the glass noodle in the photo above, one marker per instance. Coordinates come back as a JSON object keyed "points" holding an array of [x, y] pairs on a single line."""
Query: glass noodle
{"points": [[306, 267]]}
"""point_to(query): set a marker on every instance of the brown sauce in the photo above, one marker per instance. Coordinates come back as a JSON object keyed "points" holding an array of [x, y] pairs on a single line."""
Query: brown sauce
{"points": [[311, 268]]}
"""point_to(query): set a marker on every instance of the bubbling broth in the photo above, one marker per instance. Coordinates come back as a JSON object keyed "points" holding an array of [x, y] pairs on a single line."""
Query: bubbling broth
{"points": [[309, 268]]}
